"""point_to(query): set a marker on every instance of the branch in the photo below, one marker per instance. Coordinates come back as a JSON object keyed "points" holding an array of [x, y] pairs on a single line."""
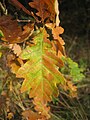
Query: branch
{"points": [[3, 9]]}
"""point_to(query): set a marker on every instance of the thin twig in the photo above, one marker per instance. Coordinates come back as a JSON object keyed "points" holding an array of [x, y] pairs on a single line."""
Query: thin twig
{"points": [[23, 20], [3, 9]]}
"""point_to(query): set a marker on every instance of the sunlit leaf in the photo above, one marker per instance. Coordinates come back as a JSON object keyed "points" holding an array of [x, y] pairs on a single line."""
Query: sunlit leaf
{"points": [[58, 42]]}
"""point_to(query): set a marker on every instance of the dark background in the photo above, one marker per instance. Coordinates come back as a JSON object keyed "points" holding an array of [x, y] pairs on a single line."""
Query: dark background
{"points": [[75, 18]]}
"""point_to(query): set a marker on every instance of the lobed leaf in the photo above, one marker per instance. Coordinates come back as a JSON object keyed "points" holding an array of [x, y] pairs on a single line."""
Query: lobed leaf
{"points": [[13, 33], [41, 72], [58, 42], [45, 8]]}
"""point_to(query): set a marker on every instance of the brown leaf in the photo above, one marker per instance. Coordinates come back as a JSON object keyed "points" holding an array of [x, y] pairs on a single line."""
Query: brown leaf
{"points": [[16, 48], [69, 86], [10, 58], [13, 62], [14, 67], [42, 107], [45, 8], [30, 115], [10, 115], [13, 33]]}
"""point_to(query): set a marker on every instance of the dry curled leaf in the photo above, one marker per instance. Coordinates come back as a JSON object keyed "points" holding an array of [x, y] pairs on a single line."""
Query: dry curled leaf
{"points": [[13, 33], [45, 8]]}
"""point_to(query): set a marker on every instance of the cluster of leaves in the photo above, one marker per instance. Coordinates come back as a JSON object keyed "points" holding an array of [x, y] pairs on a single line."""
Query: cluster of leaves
{"points": [[35, 54]]}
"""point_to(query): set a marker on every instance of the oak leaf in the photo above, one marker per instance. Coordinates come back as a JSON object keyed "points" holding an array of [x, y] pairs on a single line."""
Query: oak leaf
{"points": [[45, 8], [58, 42], [41, 72], [13, 33]]}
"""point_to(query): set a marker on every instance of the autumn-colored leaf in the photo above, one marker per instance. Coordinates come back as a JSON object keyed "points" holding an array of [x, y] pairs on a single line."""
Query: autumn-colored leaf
{"points": [[14, 67], [41, 72], [13, 63], [56, 31], [58, 42], [45, 8], [16, 49], [30, 115], [41, 107], [13, 33], [71, 88], [10, 115]]}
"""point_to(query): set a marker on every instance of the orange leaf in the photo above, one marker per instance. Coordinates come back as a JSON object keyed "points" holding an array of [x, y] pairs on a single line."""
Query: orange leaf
{"points": [[42, 107], [58, 42]]}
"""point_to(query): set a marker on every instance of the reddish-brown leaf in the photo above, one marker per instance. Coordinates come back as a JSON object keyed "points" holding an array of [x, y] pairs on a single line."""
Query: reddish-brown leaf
{"points": [[45, 8], [13, 33]]}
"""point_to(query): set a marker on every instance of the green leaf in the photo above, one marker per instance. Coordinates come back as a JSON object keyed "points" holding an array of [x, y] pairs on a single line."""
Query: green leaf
{"points": [[72, 69]]}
